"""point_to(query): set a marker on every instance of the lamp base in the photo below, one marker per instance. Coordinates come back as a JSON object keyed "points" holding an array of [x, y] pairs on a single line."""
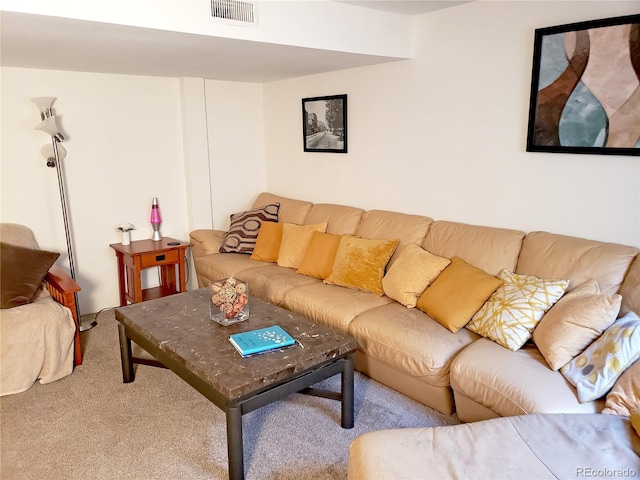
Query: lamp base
{"points": [[87, 323], [157, 236]]}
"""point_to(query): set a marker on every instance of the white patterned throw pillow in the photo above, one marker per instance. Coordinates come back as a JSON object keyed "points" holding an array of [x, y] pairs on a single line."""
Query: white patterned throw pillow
{"points": [[595, 371], [516, 307]]}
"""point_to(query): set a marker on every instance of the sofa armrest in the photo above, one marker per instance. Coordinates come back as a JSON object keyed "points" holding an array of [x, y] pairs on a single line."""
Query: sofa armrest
{"points": [[206, 242], [63, 289]]}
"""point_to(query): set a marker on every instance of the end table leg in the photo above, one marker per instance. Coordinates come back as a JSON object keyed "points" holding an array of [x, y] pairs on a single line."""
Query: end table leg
{"points": [[128, 375], [234, 442], [348, 417]]}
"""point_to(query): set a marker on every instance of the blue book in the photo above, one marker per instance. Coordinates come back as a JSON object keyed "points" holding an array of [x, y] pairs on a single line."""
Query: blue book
{"points": [[261, 340]]}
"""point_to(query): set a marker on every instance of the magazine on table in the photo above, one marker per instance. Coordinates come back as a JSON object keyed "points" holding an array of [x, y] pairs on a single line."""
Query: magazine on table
{"points": [[261, 340]]}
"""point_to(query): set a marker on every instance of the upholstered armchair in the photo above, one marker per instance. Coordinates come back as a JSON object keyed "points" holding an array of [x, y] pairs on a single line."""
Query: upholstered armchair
{"points": [[39, 328]]}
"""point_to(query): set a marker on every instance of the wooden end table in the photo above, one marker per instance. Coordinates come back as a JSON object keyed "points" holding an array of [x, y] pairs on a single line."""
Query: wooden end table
{"points": [[168, 254]]}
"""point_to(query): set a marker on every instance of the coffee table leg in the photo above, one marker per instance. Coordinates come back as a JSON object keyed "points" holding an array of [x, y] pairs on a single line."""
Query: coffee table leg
{"points": [[125, 355], [347, 393], [234, 442]]}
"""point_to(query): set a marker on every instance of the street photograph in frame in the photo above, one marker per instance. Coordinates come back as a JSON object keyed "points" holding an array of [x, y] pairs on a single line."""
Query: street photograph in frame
{"points": [[585, 88], [324, 124]]}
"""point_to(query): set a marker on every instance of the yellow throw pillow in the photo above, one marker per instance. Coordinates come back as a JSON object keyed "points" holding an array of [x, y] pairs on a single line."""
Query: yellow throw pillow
{"points": [[268, 242], [573, 323], [513, 311], [295, 240], [411, 273], [321, 252], [360, 263], [458, 293]]}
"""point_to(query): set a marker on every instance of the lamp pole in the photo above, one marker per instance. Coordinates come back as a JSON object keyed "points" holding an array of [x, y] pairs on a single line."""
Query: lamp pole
{"points": [[49, 125]]}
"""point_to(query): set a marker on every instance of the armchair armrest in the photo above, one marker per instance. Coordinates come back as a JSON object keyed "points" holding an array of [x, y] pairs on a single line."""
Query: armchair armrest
{"points": [[63, 289]]}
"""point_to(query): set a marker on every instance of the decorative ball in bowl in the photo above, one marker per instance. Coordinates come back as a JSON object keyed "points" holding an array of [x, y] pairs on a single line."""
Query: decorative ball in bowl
{"points": [[229, 301]]}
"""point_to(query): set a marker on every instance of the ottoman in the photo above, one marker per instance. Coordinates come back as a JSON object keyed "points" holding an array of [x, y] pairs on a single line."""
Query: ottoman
{"points": [[527, 446]]}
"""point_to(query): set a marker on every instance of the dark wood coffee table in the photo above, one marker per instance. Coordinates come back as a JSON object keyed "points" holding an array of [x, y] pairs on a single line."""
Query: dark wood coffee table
{"points": [[178, 332]]}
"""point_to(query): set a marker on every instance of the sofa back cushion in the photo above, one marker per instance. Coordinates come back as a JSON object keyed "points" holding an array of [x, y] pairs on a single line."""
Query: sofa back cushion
{"points": [[380, 224], [488, 248], [342, 220], [548, 255], [291, 211], [630, 289]]}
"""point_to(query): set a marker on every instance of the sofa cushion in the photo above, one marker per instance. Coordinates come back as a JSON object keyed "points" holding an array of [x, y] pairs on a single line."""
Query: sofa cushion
{"points": [[411, 274], [290, 211], [360, 263], [514, 310], [513, 383], [488, 248], [342, 220], [630, 289], [458, 293], [268, 242], [295, 240], [244, 228], [22, 271], [595, 370], [624, 397], [548, 255], [574, 322], [318, 259], [393, 225], [218, 266], [409, 341], [331, 305], [271, 282]]}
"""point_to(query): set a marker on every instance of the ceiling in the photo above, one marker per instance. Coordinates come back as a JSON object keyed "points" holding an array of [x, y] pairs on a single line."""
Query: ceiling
{"points": [[405, 7], [36, 41]]}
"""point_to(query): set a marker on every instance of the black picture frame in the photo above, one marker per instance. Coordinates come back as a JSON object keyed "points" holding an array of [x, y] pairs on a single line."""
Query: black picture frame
{"points": [[324, 124], [575, 68]]}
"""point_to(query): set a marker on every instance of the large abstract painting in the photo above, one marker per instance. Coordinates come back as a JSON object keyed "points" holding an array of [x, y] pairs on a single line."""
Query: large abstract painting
{"points": [[585, 89]]}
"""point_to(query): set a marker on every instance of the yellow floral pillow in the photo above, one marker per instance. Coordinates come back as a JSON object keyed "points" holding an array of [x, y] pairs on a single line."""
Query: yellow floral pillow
{"points": [[360, 263], [411, 274], [595, 370], [516, 307]]}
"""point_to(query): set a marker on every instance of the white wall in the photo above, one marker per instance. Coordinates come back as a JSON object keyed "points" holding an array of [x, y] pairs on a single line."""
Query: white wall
{"points": [[236, 147], [444, 134], [124, 147]]}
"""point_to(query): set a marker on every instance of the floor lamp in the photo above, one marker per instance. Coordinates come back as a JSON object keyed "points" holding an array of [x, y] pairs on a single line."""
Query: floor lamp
{"points": [[54, 154]]}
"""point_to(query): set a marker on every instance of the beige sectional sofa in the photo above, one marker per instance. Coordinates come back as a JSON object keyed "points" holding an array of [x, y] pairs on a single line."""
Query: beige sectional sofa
{"points": [[405, 348]]}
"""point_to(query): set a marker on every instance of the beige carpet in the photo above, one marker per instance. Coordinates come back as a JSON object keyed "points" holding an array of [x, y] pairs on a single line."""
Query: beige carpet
{"points": [[92, 426]]}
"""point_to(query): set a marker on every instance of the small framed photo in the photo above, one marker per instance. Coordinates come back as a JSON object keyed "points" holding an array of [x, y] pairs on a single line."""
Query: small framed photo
{"points": [[585, 96], [324, 124]]}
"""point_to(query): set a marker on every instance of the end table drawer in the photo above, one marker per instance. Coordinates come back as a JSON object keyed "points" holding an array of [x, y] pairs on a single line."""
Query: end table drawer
{"points": [[159, 258]]}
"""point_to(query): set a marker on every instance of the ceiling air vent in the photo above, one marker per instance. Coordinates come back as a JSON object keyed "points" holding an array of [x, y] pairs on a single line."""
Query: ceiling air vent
{"points": [[234, 11]]}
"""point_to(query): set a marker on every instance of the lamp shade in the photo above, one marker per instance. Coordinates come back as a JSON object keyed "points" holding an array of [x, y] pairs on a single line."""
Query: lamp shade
{"points": [[44, 105], [50, 125], [49, 154]]}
